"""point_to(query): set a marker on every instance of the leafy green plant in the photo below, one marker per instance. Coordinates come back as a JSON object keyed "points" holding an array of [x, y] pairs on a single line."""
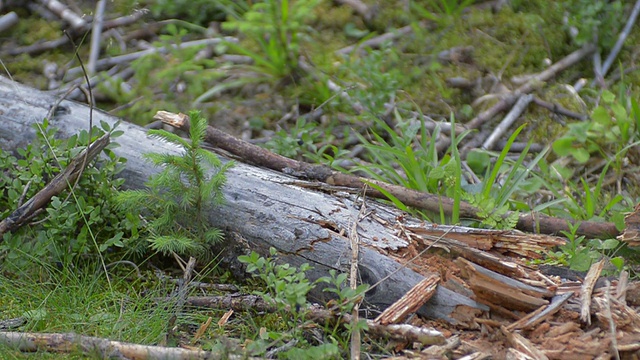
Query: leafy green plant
{"points": [[284, 24], [442, 12], [579, 253], [610, 133], [177, 198], [74, 224], [293, 142], [407, 156], [275, 30], [611, 129], [598, 20], [494, 199], [378, 78], [287, 288], [197, 11]]}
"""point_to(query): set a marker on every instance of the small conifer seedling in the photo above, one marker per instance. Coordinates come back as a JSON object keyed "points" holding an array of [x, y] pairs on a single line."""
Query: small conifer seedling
{"points": [[176, 199]]}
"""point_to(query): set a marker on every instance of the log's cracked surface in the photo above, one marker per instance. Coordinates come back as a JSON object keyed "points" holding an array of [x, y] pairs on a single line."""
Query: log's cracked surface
{"points": [[264, 207]]}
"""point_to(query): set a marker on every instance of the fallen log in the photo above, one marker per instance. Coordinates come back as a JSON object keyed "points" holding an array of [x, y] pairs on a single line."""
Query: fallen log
{"points": [[263, 208]]}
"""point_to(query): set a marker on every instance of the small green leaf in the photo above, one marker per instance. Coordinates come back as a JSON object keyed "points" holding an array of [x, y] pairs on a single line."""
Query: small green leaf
{"points": [[437, 173], [563, 146], [601, 115], [478, 161], [608, 97], [581, 155], [581, 261], [610, 244], [618, 262]]}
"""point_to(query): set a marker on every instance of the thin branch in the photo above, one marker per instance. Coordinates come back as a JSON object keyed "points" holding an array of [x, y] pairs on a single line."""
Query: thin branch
{"points": [[96, 31], [353, 278], [621, 38], [508, 120], [530, 85], [58, 8]]}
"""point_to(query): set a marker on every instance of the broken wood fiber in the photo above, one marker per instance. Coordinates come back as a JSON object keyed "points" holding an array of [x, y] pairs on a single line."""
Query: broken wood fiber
{"points": [[263, 208]]}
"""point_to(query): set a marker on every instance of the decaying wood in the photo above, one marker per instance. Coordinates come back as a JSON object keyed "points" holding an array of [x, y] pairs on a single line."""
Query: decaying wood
{"points": [[544, 312], [105, 348], [631, 234], [502, 241], [500, 292], [410, 302], [523, 345], [256, 155], [621, 288], [587, 290], [265, 208]]}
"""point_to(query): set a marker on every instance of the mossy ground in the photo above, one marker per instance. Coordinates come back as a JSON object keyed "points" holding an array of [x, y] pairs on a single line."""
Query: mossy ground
{"points": [[513, 41]]}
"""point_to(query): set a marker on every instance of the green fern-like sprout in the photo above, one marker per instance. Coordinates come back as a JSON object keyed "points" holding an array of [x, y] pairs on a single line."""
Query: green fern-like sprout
{"points": [[176, 199]]}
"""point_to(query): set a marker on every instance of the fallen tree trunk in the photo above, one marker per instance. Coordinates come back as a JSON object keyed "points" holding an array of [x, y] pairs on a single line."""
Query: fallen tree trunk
{"points": [[264, 208]]}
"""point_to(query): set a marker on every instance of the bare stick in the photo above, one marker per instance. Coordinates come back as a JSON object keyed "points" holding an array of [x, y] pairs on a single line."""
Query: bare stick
{"points": [[587, 289], [104, 348], [621, 38], [353, 279], [37, 48], [401, 332], [8, 20], [410, 302], [53, 44], [184, 285], [111, 61], [530, 85], [559, 109], [508, 120], [597, 69], [378, 40], [58, 8], [256, 155], [95, 36]]}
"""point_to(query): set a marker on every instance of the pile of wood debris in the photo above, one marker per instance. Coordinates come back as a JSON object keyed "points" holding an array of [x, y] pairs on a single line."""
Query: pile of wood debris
{"points": [[533, 312]]}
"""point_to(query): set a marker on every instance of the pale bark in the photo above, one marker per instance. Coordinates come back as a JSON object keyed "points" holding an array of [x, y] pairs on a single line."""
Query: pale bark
{"points": [[263, 208]]}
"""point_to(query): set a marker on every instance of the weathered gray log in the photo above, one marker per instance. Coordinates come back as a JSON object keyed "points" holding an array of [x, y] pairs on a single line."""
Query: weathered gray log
{"points": [[265, 208]]}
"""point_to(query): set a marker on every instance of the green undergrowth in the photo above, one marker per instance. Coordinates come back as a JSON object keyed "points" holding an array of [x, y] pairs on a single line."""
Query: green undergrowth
{"points": [[512, 41], [81, 300], [584, 171]]}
